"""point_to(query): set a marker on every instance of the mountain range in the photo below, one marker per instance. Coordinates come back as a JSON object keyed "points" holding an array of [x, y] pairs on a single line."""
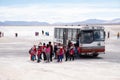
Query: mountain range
{"points": [[36, 23]]}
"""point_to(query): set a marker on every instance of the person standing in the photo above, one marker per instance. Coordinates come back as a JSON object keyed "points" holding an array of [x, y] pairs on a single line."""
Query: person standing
{"points": [[32, 54], [39, 51], [55, 50], [71, 53], [16, 34], [51, 51], [79, 50], [75, 51], [42, 32], [61, 52], [118, 35], [43, 51], [108, 35], [48, 53], [69, 44], [0, 34], [67, 53], [35, 50], [58, 53]]}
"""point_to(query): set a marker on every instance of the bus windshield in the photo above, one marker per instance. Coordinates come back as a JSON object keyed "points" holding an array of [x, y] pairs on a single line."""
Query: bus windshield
{"points": [[89, 36], [86, 36]]}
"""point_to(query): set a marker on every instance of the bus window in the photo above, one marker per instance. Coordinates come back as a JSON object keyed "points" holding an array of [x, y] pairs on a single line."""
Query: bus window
{"points": [[74, 34], [55, 33], [61, 33], [87, 37], [69, 34]]}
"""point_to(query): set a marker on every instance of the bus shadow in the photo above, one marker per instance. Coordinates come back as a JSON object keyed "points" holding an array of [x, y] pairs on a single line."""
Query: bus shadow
{"points": [[90, 57]]}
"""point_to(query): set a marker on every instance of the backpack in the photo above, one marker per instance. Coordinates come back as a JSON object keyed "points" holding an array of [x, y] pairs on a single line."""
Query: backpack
{"points": [[30, 51]]}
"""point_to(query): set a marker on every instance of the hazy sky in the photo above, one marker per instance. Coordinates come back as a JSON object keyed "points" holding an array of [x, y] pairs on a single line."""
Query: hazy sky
{"points": [[58, 10]]}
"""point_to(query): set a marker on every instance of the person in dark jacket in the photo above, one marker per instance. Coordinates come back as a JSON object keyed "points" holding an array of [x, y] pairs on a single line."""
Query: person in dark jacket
{"points": [[108, 35], [118, 35], [39, 51], [67, 53], [42, 32], [0, 34], [69, 44], [76, 54], [55, 50], [16, 34], [51, 51]]}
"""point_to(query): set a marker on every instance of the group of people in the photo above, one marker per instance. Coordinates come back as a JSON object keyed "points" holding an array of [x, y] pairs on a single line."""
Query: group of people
{"points": [[57, 52], [36, 52]]}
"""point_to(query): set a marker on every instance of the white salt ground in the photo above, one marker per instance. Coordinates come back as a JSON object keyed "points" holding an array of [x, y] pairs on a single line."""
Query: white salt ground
{"points": [[15, 63]]}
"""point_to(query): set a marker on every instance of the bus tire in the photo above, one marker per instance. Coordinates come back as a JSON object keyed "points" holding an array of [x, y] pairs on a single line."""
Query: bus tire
{"points": [[95, 55]]}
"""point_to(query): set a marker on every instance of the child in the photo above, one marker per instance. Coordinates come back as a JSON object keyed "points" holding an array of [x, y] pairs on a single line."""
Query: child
{"points": [[48, 53], [60, 55], [39, 51], [32, 54], [35, 50], [71, 53]]}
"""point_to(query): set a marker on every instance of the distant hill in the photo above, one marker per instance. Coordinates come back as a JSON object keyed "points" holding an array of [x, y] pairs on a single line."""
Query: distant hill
{"points": [[35, 23], [92, 21], [114, 21], [23, 23]]}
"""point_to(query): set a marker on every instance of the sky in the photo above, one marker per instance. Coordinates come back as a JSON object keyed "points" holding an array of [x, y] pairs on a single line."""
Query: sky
{"points": [[54, 11]]}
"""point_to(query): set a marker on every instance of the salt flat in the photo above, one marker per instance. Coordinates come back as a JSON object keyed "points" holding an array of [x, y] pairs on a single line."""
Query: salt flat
{"points": [[15, 63]]}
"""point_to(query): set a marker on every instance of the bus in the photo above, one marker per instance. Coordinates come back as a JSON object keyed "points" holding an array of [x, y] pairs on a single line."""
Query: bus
{"points": [[90, 39]]}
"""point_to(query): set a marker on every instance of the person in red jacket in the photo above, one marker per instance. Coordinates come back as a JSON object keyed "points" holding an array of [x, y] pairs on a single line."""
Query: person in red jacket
{"points": [[60, 55], [32, 54], [48, 53], [71, 53]]}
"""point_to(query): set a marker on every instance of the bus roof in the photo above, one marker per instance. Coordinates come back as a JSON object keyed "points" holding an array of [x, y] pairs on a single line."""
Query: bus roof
{"points": [[93, 28]]}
